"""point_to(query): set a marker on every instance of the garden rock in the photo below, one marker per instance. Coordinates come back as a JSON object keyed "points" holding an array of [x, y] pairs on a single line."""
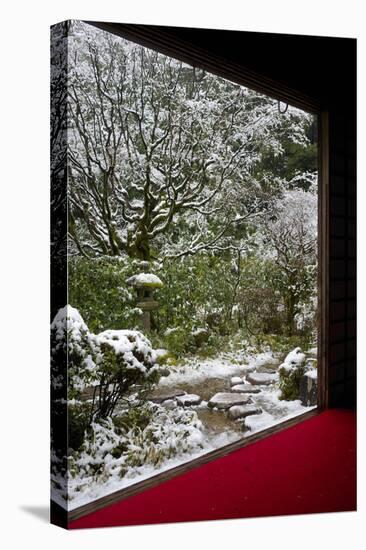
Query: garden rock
{"points": [[159, 398], [262, 378], [224, 400], [241, 411], [245, 388], [169, 404], [236, 380], [189, 399], [308, 391]]}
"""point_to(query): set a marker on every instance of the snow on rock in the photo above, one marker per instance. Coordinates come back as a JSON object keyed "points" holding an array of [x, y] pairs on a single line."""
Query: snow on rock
{"points": [[262, 378], [241, 411], [145, 279], [245, 388], [189, 399], [224, 400], [264, 358], [236, 380], [161, 397], [308, 387], [312, 373], [169, 404], [294, 360], [257, 422]]}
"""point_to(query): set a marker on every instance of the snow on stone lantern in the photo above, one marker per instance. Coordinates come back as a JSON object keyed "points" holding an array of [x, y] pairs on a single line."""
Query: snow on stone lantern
{"points": [[145, 284]]}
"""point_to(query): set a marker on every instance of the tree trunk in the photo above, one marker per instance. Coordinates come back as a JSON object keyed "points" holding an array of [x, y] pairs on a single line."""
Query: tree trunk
{"points": [[290, 321]]}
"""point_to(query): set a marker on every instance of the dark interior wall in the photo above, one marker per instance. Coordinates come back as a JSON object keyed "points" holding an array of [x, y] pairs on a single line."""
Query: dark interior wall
{"points": [[342, 267], [322, 71]]}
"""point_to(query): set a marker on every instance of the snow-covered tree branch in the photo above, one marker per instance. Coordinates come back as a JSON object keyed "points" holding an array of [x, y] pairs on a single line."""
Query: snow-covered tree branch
{"points": [[154, 141]]}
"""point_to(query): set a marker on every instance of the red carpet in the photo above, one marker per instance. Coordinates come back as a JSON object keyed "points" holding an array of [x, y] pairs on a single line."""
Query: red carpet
{"points": [[308, 468]]}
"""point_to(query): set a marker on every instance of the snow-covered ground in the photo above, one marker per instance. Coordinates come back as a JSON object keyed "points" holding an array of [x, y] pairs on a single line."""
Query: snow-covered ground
{"points": [[225, 365]]}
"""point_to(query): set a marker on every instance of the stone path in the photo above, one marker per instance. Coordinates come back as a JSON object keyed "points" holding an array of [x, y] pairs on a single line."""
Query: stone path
{"points": [[241, 411], [223, 404]]}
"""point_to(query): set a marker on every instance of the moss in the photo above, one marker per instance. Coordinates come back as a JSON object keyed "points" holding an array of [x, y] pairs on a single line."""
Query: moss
{"points": [[290, 383], [164, 358], [152, 285]]}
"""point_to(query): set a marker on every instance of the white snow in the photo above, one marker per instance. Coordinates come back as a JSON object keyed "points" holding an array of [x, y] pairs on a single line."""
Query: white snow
{"points": [[274, 409], [142, 279], [126, 342], [68, 318], [198, 331], [236, 380], [312, 373], [194, 371], [224, 365], [293, 360]]}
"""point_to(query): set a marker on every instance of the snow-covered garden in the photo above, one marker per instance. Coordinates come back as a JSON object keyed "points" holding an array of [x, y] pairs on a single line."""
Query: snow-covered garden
{"points": [[130, 418], [192, 265]]}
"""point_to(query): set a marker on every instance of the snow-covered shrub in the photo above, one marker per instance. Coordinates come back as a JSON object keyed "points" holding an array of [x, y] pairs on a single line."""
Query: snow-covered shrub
{"points": [[291, 372], [109, 366], [142, 437]]}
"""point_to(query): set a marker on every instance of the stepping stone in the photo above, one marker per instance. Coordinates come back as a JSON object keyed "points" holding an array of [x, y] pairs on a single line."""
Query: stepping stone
{"points": [[262, 378], [160, 397], [236, 380], [224, 400], [245, 388], [170, 404], [267, 370], [241, 411], [189, 399]]}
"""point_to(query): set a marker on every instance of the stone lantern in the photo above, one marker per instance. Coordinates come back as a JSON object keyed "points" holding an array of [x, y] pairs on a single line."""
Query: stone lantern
{"points": [[145, 284]]}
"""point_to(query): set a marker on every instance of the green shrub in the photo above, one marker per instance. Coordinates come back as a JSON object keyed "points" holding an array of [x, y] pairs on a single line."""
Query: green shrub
{"points": [[179, 340], [98, 289]]}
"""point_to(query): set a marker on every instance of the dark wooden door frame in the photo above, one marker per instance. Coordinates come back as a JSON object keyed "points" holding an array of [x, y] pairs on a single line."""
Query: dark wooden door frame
{"points": [[323, 260], [149, 36]]}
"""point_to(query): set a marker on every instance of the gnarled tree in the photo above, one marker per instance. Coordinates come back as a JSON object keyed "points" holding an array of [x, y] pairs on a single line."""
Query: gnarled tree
{"points": [[154, 141]]}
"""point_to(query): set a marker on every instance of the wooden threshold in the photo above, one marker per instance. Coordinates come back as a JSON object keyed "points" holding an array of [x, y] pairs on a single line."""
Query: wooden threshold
{"points": [[153, 481]]}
